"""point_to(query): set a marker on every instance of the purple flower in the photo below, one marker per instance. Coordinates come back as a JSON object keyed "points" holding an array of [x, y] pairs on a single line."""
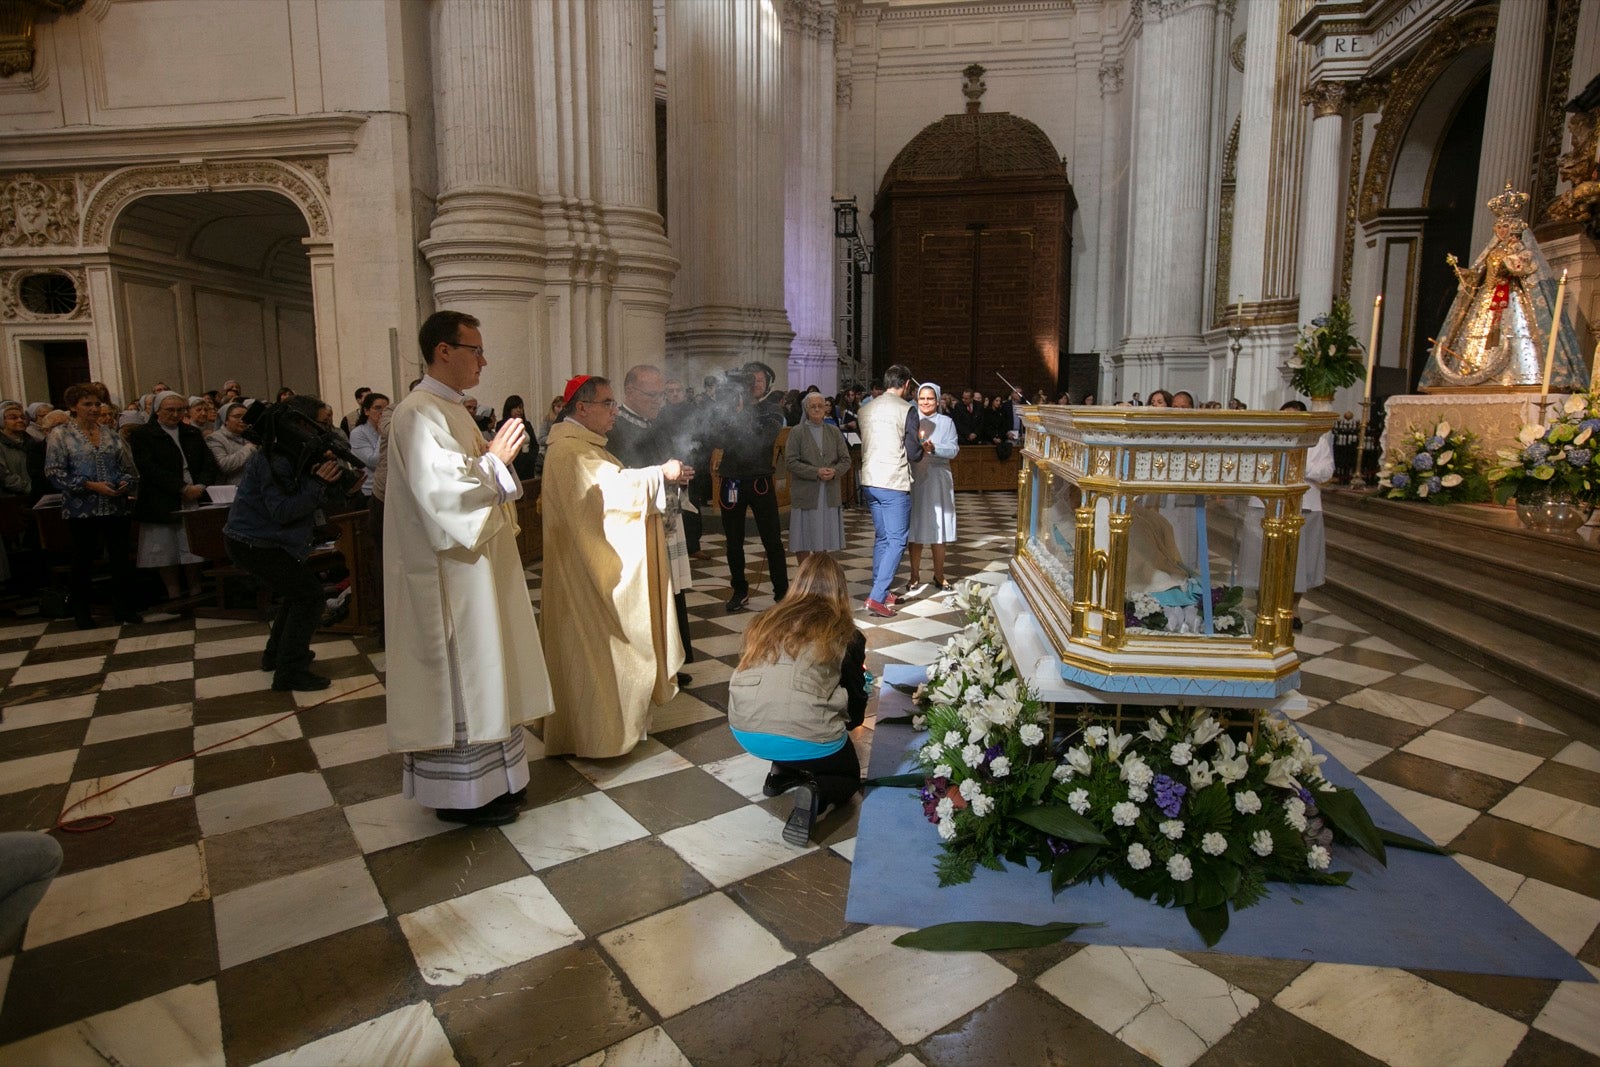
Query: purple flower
{"points": [[1399, 480], [1422, 462], [1434, 484], [1579, 457], [991, 752], [1536, 452], [1435, 443], [1169, 795], [1057, 848]]}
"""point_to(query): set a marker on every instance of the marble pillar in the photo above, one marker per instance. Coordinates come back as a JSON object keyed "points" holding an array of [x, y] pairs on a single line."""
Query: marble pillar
{"points": [[1252, 165], [725, 145], [1171, 197], [1323, 199], [808, 243], [486, 241], [1511, 120]]}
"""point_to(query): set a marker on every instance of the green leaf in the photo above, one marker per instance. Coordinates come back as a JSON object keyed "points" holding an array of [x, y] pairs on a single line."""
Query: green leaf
{"points": [[1211, 923], [987, 936], [1070, 867], [1412, 843], [1060, 821], [1344, 810], [914, 781]]}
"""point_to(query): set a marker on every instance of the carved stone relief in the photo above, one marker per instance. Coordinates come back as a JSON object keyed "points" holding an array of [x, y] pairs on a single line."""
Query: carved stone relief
{"points": [[1110, 79], [110, 197], [38, 212]]}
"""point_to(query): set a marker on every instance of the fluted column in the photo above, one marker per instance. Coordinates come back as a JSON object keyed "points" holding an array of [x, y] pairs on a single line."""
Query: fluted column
{"points": [[1323, 200], [484, 244], [1511, 120], [1252, 165], [625, 132], [1170, 194], [725, 185], [808, 268]]}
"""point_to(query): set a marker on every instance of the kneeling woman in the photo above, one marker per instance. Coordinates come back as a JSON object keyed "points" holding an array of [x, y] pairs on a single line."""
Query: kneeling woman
{"points": [[799, 690]]}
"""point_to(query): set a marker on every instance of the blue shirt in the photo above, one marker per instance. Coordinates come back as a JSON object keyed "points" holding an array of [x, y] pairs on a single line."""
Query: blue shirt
{"points": [[72, 461], [274, 508]]}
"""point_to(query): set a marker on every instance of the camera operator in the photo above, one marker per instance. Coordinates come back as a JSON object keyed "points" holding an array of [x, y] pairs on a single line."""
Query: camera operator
{"points": [[269, 529], [751, 417]]}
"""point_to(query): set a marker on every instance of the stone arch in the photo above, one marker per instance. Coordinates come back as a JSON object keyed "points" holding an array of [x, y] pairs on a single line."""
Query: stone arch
{"points": [[302, 183], [1411, 96]]}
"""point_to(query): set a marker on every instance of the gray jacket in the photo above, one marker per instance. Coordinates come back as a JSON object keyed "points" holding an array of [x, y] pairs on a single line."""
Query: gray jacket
{"points": [[804, 458]]}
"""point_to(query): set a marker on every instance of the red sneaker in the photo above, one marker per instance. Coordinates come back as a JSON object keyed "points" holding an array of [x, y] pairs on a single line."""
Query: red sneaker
{"points": [[882, 611]]}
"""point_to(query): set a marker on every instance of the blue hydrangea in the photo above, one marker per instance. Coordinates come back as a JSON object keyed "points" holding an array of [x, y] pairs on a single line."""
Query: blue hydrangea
{"points": [[1592, 425], [1537, 452], [1399, 480], [1435, 443], [1433, 485], [1579, 457], [1422, 462]]}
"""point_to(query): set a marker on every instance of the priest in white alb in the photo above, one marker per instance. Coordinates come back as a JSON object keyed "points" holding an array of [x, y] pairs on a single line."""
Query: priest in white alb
{"points": [[465, 667], [606, 600]]}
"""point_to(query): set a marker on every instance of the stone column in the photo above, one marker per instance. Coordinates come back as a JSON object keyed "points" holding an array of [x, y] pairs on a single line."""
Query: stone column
{"points": [[1252, 166], [808, 244], [725, 186], [1323, 201], [625, 140], [1511, 120], [1170, 184], [485, 244]]}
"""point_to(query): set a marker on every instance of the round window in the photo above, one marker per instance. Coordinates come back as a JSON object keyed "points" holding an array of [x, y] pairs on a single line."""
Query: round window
{"points": [[48, 293]]}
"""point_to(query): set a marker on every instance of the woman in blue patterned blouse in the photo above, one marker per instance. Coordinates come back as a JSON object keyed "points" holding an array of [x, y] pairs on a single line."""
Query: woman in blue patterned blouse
{"points": [[93, 468]]}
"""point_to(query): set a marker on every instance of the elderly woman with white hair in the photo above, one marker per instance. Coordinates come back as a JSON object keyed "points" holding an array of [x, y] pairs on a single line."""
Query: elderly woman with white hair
{"points": [[228, 444], [175, 466]]}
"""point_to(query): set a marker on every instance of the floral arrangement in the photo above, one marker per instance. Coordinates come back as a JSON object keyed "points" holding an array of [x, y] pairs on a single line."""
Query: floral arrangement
{"points": [[1563, 453], [1187, 812], [1440, 467], [1227, 613], [1327, 355]]}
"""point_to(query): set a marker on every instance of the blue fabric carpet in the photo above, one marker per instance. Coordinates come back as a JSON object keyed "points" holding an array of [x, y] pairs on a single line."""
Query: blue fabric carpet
{"points": [[1420, 912]]}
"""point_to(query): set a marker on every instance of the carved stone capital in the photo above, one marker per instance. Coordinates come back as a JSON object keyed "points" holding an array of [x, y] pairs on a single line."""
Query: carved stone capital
{"points": [[1368, 95], [1326, 98]]}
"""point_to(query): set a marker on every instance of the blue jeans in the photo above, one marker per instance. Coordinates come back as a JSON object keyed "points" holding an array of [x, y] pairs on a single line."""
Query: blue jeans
{"points": [[891, 521]]}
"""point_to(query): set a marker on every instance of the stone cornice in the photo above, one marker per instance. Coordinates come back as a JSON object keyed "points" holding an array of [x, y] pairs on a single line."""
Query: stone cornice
{"points": [[880, 10], [83, 146]]}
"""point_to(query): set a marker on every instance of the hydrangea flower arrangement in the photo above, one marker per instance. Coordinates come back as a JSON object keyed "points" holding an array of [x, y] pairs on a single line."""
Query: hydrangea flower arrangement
{"points": [[1327, 355], [1566, 452], [1187, 812], [1440, 466]]}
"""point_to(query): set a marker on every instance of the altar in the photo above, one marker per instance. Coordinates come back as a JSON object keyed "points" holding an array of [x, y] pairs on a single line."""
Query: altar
{"points": [[1495, 418]]}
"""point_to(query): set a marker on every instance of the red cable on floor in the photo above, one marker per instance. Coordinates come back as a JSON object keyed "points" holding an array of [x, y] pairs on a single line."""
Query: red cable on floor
{"points": [[91, 823]]}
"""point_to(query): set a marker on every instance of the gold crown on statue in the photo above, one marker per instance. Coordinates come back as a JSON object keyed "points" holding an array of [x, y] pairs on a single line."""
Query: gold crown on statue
{"points": [[1509, 206]]}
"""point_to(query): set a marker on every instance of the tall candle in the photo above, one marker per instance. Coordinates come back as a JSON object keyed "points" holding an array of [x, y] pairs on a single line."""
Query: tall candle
{"points": [[1550, 348], [1594, 372], [1372, 345], [1238, 312]]}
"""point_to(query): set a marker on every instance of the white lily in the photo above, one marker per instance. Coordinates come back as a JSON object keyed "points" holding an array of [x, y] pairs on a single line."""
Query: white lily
{"points": [[1530, 433], [1205, 728], [1442, 430], [1575, 403], [1450, 481], [1445, 457]]}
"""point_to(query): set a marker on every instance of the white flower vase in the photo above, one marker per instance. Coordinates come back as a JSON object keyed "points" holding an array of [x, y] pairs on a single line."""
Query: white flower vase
{"points": [[1322, 403]]}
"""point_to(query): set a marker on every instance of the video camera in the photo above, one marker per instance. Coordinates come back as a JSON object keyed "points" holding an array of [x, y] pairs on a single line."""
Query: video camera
{"points": [[285, 430]]}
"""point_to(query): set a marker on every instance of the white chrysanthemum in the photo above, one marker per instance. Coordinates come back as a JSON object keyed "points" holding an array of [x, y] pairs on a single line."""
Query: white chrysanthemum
{"points": [[1095, 736], [1294, 813], [970, 789], [1062, 772], [971, 754], [999, 766], [1172, 828], [1078, 800], [942, 771], [1317, 858], [947, 829], [1246, 803], [946, 807], [932, 753], [1125, 814], [982, 805], [1031, 734], [1181, 754], [1138, 794], [1180, 868], [1138, 857], [1213, 844], [1261, 843], [1136, 772], [952, 738]]}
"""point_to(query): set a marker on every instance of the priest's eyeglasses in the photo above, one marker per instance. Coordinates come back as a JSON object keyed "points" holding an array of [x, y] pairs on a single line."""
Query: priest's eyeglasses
{"points": [[476, 350]]}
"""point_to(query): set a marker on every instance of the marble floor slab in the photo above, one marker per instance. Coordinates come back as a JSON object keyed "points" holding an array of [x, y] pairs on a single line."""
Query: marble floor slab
{"points": [[564, 831], [238, 807], [406, 1037], [483, 932], [732, 846], [148, 786], [392, 820], [117, 892], [271, 916], [180, 1027], [1473, 755], [648, 759]]}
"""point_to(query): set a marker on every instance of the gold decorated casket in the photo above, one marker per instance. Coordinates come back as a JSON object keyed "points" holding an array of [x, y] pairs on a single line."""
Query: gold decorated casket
{"points": [[1157, 547]]}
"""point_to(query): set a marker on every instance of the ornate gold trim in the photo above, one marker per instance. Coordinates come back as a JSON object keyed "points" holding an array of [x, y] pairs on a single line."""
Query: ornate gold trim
{"points": [[1563, 42]]}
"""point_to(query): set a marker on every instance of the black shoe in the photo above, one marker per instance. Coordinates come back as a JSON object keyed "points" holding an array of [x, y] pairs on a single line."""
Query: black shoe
{"points": [[780, 781], [301, 681], [684, 680], [1297, 624], [494, 813], [84, 622], [797, 830], [737, 602], [269, 660]]}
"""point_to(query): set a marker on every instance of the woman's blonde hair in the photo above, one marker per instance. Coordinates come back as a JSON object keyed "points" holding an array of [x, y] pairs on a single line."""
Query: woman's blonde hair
{"points": [[814, 618]]}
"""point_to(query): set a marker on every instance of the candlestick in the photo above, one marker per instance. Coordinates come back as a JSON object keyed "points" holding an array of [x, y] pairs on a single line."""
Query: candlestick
{"points": [[1372, 346], [1550, 348]]}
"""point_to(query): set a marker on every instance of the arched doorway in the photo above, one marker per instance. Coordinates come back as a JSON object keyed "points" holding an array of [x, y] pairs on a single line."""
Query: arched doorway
{"points": [[209, 286], [973, 224]]}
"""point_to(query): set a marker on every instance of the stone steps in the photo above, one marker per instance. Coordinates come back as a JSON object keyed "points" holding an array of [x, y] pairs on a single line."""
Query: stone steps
{"points": [[1520, 604]]}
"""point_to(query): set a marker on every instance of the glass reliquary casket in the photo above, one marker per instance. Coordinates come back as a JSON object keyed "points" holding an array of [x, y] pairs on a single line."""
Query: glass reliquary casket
{"points": [[1157, 547]]}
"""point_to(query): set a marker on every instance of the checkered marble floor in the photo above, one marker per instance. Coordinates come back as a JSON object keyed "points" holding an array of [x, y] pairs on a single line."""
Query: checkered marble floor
{"points": [[276, 900]]}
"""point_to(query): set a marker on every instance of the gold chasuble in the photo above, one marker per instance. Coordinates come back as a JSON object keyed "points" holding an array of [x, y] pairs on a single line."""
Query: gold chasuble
{"points": [[610, 635]]}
